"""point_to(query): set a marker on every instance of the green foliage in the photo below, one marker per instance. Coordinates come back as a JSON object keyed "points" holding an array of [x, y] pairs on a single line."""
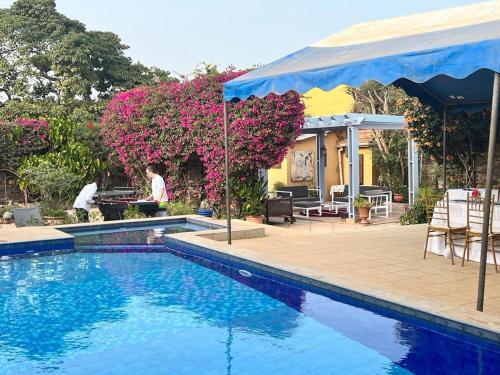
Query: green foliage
{"points": [[361, 202], [414, 215], [417, 213], [250, 196], [20, 140], [132, 212], [397, 187], [47, 210], [466, 138], [33, 222], [54, 184], [179, 208], [388, 146], [52, 65], [68, 152], [70, 218]]}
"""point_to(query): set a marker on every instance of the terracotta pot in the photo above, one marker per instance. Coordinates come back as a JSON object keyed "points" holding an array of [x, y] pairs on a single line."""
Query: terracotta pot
{"points": [[255, 219], [54, 220], [398, 198], [363, 213]]}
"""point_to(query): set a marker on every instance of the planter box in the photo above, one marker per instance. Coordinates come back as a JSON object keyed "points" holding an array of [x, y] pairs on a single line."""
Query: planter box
{"points": [[205, 212]]}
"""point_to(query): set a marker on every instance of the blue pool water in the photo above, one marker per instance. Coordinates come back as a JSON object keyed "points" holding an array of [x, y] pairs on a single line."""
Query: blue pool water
{"points": [[163, 312]]}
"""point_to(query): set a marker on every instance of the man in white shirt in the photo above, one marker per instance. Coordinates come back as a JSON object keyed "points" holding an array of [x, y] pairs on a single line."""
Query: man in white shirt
{"points": [[84, 199], [159, 191]]}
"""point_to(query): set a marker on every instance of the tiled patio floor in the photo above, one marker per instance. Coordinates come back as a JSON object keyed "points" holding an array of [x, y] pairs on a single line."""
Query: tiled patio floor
{"points": [[380, 260]]}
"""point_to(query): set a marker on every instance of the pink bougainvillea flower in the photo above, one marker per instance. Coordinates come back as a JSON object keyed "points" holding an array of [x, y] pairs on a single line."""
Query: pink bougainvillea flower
{"points": [[174, 122]]}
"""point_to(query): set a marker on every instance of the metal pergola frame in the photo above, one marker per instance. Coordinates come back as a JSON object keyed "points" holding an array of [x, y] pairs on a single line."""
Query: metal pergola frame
{"points": [[352, 122]]}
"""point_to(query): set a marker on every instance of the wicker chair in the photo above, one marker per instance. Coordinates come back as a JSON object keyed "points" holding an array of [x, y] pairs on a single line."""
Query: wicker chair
{"points": [[475, 217], [438, 222]]}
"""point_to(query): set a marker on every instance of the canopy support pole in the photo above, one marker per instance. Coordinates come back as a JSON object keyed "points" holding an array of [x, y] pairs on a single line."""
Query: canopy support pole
{"points": [[487, 193], [413, 169], [226, 165], [353, 165], [445, 115], [320, 163]]}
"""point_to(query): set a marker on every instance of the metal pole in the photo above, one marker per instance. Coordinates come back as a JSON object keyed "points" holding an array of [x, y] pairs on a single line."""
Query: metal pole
{"points": [[487, 193], [226, 162], [445, 115]]}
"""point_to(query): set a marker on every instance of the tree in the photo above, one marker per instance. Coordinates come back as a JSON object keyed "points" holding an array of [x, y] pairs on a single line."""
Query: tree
{"points": [[390, 153], [168, 124], [68, 150], [466, 136], [51, 65]]}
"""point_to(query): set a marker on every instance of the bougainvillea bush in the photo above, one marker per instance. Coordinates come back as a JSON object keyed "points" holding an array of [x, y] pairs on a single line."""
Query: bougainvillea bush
{"points": [[169, 124], [20, 138]]}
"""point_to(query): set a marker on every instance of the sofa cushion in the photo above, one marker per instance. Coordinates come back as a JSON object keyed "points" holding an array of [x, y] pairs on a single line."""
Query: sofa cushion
{"points": [[373, 192], [306, 199], [297, 191]]}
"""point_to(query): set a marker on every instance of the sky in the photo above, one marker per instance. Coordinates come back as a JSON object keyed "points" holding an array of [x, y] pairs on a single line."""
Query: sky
{"points": [[177, 35]]}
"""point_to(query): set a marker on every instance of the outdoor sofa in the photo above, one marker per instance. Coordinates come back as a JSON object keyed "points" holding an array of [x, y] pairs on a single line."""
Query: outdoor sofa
{"points": [[302, 198]]}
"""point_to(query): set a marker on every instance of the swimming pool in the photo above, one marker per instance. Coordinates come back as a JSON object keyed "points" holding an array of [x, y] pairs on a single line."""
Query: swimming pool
{"points": [[150, 309]]}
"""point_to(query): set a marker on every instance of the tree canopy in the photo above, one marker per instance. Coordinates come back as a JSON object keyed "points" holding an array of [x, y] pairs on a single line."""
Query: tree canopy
{"points": [[51, 63]]}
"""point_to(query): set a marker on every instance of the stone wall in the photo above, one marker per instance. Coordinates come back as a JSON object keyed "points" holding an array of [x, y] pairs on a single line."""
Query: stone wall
{"points": [[481, 168], [9, 191]]}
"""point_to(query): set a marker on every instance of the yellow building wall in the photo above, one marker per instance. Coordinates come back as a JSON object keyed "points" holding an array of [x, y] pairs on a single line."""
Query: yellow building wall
{"points": [[327, 103], [278, 174], [367, 166], [323, 103]]}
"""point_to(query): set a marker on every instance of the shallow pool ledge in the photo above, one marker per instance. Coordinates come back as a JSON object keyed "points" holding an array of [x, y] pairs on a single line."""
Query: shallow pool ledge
{"points": [[32, 240]]}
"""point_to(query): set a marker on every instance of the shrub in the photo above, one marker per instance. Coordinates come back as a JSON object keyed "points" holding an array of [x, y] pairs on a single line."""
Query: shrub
{"points": [[53, 212], [178, 208], [54, 184], [417, 213], [21, 138], [168, 124], [70, 218], [133, 212], [250, 195], [67, 152]]}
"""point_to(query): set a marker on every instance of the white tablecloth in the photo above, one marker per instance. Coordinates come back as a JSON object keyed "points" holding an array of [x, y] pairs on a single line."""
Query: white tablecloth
{"points": [[458, 217], [461, 194]]}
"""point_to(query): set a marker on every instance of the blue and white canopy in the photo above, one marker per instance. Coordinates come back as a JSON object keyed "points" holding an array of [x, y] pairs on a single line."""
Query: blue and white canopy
{"points": [[446, 58]]}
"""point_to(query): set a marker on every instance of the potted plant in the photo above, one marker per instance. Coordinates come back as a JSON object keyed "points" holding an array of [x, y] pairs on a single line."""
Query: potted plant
{"points": [[205, 209], [363, 205], [398, 191], [251, 199]]}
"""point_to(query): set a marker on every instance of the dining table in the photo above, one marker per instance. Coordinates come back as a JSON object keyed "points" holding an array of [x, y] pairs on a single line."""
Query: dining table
{"points": [[458, 217]]}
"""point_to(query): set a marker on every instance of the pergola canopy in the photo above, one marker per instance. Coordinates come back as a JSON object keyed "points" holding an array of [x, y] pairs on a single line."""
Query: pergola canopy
{"points": [[317, 124], [446, 58]]}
